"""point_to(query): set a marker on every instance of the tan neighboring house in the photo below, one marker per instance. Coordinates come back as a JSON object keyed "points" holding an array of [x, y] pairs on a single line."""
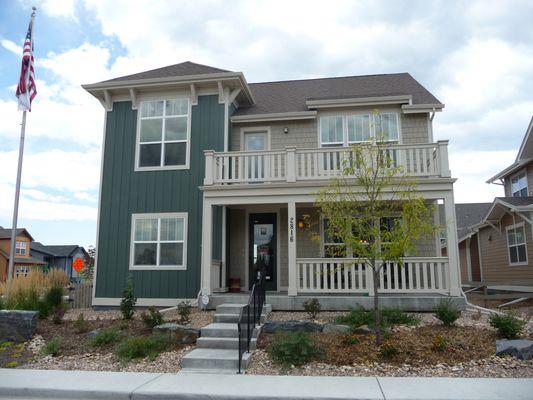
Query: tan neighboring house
{"points": [[496, 239], [23, 261]]}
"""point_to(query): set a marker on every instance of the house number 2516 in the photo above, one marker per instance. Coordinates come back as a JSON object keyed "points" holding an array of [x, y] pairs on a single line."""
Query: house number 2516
{"points": [[291, 229]]}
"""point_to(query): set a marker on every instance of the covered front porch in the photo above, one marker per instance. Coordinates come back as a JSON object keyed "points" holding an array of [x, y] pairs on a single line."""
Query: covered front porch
{"points": [[289, 235]]}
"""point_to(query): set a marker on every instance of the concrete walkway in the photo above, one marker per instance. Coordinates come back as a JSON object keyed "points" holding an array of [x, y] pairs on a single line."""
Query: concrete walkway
{"points": [[35, 384]]}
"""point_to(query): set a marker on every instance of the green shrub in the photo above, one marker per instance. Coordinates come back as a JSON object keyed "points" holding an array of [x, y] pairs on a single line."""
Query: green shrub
{"points": [[312, 307], [388, 351], [142, 346], [350, 340], [105, 337], [507, 325], [127, 304], [389, 317], [81, 324], [184, 311], [447, 312], [26, 298], [295, 348], [2, 305], [52, 347], [395, 316], [54, 297], [12, 364], [152, 318], [43, 309], [438, 343], [356, 318]]}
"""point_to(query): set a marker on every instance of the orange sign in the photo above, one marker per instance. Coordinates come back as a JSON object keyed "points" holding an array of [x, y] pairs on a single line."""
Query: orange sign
{"points": [[78, 264]]}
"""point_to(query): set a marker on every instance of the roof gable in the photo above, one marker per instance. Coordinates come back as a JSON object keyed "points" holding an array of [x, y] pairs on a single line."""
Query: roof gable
{"points": [[186, 68], [5, 233], [526, 148]]}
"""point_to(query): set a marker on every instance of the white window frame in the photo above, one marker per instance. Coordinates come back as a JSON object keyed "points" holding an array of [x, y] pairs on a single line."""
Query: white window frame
{"points": [[346, 142], [134, 217], [255, 129], [23, 270], [21, 248], [162, 167], [523, 171], [513, 227]]}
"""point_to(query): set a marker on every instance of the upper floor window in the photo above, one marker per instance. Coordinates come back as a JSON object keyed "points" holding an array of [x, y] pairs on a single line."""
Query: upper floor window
{"points": [[159, 241], [21, 248], [344, 130], [516, 244], [519, 184], [163, 138]]}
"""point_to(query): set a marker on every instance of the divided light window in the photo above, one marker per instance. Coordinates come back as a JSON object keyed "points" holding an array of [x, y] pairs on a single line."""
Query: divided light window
{"points": [[519, 184], [21, 248], [159, 241], [344, 130], [163, 134], [516, 243]]}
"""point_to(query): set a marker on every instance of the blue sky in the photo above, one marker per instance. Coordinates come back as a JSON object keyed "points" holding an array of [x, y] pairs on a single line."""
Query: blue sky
{"points": [[475, 56]]}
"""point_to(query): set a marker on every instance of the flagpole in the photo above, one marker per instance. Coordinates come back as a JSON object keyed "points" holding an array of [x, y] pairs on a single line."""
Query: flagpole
{"points": [[17, 195], [11, 264]]}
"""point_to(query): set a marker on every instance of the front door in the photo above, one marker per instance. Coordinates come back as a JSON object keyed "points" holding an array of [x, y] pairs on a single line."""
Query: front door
{"points": [[262, 249]]}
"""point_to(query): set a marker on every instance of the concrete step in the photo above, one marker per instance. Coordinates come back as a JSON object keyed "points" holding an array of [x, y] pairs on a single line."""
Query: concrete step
{"points": [[232, 318], [222, 330], [214, 359], [222, 343], [228, 308]]}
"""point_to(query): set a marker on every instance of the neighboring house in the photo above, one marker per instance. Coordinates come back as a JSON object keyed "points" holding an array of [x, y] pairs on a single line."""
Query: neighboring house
{"points": [[61, 257], [23, 261], [496, 239], [205, 176]]}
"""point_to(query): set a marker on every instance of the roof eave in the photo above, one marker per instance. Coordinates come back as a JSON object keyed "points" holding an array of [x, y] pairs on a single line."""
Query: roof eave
{"points": [[509, 170], [296, 115], [358, 101]]}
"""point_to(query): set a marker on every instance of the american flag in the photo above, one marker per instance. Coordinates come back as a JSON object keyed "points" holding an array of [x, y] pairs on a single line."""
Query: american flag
{"points": [[26, 89]]}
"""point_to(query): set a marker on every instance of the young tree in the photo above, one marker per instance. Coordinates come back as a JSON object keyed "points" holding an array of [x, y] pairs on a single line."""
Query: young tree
{"points": [[88, 271], [371, 187]]}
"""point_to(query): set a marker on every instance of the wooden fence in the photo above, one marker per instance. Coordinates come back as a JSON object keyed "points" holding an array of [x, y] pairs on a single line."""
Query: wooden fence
{"points": [[82, 295]]}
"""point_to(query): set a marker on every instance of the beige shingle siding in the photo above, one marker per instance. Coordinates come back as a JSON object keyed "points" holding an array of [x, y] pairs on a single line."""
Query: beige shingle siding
{"points": [[495, 256], [304, 133], [415, 128]]}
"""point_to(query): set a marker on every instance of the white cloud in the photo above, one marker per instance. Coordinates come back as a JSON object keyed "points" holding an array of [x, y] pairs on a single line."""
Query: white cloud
{"points": [[59, 8], [11, 46]]}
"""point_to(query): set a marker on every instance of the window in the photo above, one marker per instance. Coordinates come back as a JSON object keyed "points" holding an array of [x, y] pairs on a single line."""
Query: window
{"points": [[516, 243], [339, 131], [519, 185], [163, 134], [20, 248], [159, 241], [22, 270]]}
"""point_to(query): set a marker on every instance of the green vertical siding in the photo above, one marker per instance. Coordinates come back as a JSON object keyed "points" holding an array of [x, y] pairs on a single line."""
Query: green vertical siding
{"points": [[125, 192]]}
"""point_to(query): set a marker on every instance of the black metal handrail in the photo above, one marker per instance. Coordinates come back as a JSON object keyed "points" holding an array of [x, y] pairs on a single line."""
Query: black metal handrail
{"points": [[250, 316]]}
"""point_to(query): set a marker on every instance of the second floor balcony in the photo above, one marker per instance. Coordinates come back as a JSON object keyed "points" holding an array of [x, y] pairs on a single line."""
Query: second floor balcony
{"points": [[427, 160]]}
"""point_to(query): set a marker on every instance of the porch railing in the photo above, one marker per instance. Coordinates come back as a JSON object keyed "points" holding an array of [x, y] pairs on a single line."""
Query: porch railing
{"points": [[292, 164], [350, 275]]}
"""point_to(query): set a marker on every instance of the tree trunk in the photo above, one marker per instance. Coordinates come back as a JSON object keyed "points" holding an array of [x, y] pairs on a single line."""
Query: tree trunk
{"points": [[377, 312]]}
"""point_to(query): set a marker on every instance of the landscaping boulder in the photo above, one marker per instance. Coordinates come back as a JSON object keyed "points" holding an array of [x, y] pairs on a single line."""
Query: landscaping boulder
{"points": [[518, 348], [292, 326], [94, 333], [17, 326], [181, 334], [364, 330], [336, 328]]}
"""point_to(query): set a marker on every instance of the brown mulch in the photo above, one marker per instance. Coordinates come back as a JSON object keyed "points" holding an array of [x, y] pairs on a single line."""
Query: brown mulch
{"points": [[415, 347]]}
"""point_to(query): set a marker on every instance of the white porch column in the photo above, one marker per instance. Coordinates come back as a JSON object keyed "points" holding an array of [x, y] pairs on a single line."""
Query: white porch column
{"points": [[452, 245], [207, 236], [291, 230]]}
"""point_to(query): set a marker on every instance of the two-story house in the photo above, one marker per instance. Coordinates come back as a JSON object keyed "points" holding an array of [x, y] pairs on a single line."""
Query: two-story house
{"points": [[496, 241], [60, 257], [23, 261], [204, 175]]}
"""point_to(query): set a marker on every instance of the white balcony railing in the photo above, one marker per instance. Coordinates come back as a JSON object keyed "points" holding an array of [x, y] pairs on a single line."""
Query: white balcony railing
{"points": [[292, 164], [349, 275]]}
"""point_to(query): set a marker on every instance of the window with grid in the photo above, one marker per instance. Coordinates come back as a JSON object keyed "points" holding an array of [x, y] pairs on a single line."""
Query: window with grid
{"points": [[21, 248], [22, 270], [519, 185], [516, 244], [333, 246], [163, 134], [159, 241], [386, 126]]}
